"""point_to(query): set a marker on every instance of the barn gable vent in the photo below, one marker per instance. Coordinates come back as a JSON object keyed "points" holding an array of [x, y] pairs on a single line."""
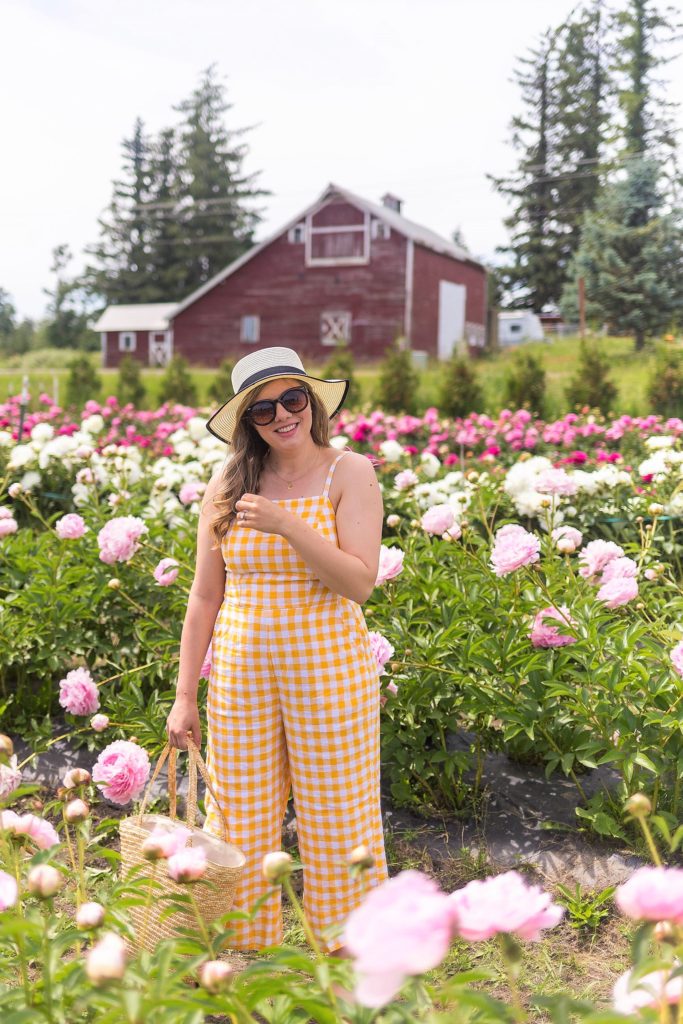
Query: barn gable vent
{"points": [[392, 202]]}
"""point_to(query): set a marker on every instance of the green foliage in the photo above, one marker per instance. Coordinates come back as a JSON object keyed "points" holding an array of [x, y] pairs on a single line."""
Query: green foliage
{"points": [[83, 382], [460, 392], [177, 384], [340, 366], [592, 384], [525, 383], [129, 386], [398, 380], [220, 389], [586, 910], [665, 388]]}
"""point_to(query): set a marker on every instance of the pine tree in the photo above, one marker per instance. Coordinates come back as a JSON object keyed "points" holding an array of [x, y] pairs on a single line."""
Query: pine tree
{"points": [[123, 270], [631, 257], [525, 383], [460, 392], [534, 275], [83, 382], [592, 386], [167, 246], [218, 215], [177, 384], [129, 387], [398, 380]]}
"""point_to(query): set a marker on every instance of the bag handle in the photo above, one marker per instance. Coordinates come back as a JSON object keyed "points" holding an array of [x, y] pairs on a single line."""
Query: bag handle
{"points": [[195, 762]]}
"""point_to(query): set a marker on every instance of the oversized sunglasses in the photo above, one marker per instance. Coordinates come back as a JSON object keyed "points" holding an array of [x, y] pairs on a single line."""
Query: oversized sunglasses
{"points": [[263, 412]]}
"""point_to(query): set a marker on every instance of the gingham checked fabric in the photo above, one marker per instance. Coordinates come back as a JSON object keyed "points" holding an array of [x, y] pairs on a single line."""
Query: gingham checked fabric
{"points": [[293, 699]]}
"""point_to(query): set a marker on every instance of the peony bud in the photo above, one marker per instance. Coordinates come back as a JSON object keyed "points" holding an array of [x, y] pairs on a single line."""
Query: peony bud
{"points": [[89, 915], [393, 520], [566, 546], [76, 810], [106, 961], [215, 975], [188, 865], [360, 858], [6, 745], [638, 806], [664, 931], [14, 490], [76, 777], [44, 881], [277, 867], [114, 583], [99, 722], [655, 509]]}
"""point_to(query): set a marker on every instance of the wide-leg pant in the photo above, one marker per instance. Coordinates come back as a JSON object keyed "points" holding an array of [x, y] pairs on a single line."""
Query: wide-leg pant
{"points": [[294, 699]]}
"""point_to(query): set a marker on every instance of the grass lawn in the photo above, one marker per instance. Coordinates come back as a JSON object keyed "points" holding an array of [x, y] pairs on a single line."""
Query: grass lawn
{"points": [[631, 372]]}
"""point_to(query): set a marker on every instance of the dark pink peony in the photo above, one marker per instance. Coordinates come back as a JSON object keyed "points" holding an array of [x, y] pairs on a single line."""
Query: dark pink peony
{"points": [[121, 771]]}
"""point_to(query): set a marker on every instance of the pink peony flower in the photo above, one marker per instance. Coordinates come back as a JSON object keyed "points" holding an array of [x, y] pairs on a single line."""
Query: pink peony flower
{"points": [[618, 592], [99, 722], [70, 527], [187, 865], [190, 492], [405, 479], [10, 777], [205, 670], [78, 692], [567, 539], [390, 564], [555, 482], [595, 556], [118, 539], [652, 990], [505, 903], [39, 831], [9, 891], [164, 842], [106, 961], [653, 894], [513, 548], [437, 519], [382, 650], [677, 657], [619, 568], [121, 771], [403, 927], [544, 635], [8, 526], [166, 572]]}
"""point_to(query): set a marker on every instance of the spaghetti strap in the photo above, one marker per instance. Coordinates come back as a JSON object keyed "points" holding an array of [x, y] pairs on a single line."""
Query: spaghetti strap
{"points": [[328, 482]]}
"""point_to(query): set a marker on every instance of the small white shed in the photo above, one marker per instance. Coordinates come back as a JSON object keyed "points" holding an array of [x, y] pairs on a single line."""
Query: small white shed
{"points": [[517, 326]]}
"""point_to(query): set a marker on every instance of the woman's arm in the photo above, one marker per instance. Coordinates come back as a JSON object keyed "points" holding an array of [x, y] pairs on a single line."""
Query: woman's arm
{"points": [[206, 596], [351, 568]]}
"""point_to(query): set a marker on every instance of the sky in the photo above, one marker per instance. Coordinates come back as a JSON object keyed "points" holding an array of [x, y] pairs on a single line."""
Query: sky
{"points": [[412, 97]]}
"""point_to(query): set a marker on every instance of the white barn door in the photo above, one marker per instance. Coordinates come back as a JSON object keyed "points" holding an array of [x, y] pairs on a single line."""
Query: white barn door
{"points": [[451, 317], [160, 347]]}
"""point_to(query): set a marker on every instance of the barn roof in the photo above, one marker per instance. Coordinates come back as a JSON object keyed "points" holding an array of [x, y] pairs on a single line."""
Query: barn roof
{"points": [[396, 221], [152, 316]]}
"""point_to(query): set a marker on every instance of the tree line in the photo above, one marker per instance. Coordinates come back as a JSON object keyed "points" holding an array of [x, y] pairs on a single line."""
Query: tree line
{"points": [[594, 192]]}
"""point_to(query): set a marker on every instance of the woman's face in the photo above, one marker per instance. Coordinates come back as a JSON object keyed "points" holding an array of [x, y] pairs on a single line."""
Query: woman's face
{"points": [[288, 429]]}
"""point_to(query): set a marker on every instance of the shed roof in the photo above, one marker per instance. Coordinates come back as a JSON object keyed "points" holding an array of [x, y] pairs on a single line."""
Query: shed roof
{"points": [[396, 221], [152, 316]]}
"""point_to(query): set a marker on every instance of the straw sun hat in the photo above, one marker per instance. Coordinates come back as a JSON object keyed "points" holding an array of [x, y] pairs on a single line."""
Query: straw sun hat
{"points": [[258, 368]]}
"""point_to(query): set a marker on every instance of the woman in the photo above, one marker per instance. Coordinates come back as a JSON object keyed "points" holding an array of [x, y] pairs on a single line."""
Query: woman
{"points": [[288, 549]]}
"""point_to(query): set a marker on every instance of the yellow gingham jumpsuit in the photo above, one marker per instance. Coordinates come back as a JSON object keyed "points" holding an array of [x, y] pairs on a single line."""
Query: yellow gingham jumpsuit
{"points": [[293, 698]]}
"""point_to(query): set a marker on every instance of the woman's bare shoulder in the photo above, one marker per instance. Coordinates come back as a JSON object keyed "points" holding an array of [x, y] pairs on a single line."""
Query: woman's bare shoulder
{"points": [[354, 469]]}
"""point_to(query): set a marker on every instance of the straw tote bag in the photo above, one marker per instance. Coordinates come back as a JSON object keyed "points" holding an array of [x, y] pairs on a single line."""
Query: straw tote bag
{"points": [[225, 861]]}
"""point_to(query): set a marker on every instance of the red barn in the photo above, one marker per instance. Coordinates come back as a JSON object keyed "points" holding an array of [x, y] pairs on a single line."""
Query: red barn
{"points": [[346, 270]]}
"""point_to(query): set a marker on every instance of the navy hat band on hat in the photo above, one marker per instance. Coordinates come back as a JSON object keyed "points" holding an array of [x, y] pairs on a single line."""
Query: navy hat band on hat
{"points": [[271, 371]]}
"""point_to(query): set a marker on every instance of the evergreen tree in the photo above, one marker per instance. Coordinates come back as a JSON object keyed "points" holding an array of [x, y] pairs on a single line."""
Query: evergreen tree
{"points": [[460, 392], [218, 217], [7, 316], [341, 366], [665, 387], [534, 275], [124, 269], [177, 384], [168, 248], [67, 309], [643, 34], [398, 380], [525, 383], [83, 382], [592, 386], [129, 387], [630, 257], [220, 389]]}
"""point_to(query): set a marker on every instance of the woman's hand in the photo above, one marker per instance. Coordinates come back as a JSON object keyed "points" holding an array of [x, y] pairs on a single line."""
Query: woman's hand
{"points": [[259, 513], [183, 718]]}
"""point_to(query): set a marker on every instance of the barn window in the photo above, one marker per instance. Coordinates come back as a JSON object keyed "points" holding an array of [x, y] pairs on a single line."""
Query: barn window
{"points": [[380, 230], [335, 328], [250, 329], [296, 234], [335, 244], [127, 341], [515, 328]]}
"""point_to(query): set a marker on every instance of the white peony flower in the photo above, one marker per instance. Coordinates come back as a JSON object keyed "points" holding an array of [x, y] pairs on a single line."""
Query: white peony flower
{"points": [[391, 451], [42, 432]]}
